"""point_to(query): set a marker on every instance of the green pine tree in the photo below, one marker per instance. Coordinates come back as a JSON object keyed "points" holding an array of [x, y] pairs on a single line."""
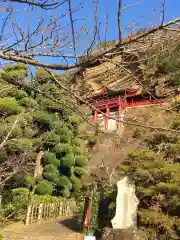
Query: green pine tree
{"points": [[41, 125]]}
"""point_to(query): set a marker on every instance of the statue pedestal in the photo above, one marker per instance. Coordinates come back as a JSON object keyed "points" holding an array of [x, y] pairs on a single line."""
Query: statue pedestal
{"points": [[117, 234], [89, 238], [127, 234]]}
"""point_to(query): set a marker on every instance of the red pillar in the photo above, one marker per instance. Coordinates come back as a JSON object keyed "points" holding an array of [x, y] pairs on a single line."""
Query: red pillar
{"points": [[107, 118], [119, 101], [119, 117], [125, 97], [95, 116], [150, 97]]}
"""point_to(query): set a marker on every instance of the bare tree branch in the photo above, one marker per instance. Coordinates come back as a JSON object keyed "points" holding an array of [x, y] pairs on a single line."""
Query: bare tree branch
{"points": [[11, 167], [95, 4], [132, 5], [72, 27], [42, 4], [4, 25], [119, 21], [12, 56], [106, 29], [9, 133], [163, 11]]}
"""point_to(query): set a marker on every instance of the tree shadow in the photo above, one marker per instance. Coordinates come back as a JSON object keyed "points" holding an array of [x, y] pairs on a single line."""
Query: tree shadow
{"points": [[72, 223]]}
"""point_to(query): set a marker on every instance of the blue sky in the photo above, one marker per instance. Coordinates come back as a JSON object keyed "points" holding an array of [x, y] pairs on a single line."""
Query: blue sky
{"points": [[143, 14]]}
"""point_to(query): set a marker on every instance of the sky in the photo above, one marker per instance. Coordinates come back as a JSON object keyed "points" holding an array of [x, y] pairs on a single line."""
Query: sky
{"points": [[146, 14], [143, 14]]}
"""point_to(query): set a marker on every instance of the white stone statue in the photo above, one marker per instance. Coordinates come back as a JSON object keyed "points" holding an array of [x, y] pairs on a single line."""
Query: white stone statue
{"points": [[126, 205]]}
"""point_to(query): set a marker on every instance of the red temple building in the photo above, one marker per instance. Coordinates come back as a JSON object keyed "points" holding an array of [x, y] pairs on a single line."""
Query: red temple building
{"points": [[109, 106], [122, 73]]}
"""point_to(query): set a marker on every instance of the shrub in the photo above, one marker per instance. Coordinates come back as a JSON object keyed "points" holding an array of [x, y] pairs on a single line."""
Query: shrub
{"points": [[29, 179], [17, 71], [76, 141], [3, 156], [18, 207], [27, 102], [76, 183], [65, 133], [174, 79], [63, 181], [17, 66], [44, 187], [51, 138], [18, 94], [50, 158], [9, 106], [66, 193], [76, 150], [62, 148], [45, 199], [42, 76], [68, 160], [79, 171], [20, 145], [44, 118], [18, 193], [164, 188], [51, 173], [81, 160]]}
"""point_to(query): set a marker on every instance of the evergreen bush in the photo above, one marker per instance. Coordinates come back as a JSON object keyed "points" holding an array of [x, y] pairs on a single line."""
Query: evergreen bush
{"points": [[44, 187], [43, 125], [50, 158]]}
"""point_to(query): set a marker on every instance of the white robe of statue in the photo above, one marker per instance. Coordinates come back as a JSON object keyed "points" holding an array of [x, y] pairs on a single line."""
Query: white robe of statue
{"points": [[126, 205]]}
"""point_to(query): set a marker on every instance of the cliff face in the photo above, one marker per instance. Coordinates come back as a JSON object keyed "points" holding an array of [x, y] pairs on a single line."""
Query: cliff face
{"points": [[134, 66], [110, 149], [150, 62]]}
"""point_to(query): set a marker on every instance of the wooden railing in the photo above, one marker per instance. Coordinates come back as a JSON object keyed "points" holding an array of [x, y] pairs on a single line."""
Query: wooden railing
{"points": [[45, 211], [116, 102]]}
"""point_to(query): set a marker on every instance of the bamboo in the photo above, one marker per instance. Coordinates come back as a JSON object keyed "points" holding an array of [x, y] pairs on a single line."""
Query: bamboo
{"points": [[31, 214], [28, 215], [39, 212], [46, 211]]}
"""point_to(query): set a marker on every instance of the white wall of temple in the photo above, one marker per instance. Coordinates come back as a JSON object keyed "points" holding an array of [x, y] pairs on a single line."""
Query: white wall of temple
{"points": [[114, 122], [101, 121]]}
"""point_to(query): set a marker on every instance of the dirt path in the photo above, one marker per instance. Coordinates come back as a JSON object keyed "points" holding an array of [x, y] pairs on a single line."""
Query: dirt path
{"points": [[64, 229]]}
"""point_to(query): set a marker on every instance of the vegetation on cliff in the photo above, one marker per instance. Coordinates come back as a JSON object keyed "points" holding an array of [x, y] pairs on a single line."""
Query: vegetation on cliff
{"points": [[31, 123]]}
